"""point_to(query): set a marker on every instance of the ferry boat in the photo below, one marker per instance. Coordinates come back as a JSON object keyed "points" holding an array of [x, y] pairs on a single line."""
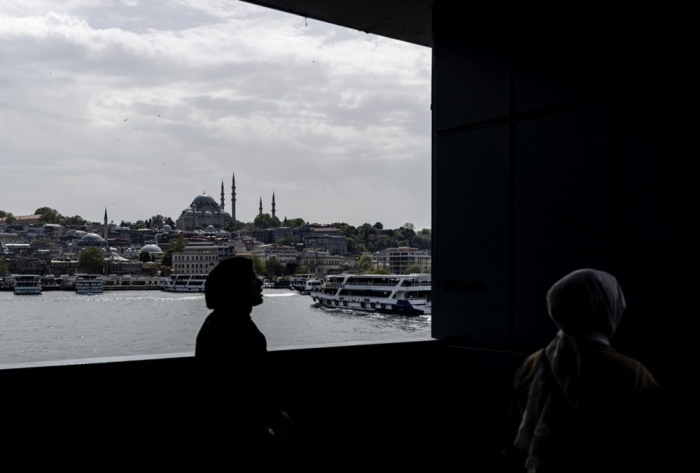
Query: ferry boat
{"points": [[185, 283], [399, 294], [27, 284], [89, 284], [305, 284], [133, 282]]}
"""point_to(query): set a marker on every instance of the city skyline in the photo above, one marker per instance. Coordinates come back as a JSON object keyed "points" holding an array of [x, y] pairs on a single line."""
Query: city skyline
{"points": [[140, 107]]}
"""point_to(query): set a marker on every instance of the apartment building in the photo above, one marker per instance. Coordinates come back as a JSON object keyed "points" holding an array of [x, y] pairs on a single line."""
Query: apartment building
{"points": [[196, 258], [398, 260]]}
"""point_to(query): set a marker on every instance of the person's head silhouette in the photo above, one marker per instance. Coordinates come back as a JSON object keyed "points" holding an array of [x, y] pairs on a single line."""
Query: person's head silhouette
{"points": [[233, 284], [585, 302]]}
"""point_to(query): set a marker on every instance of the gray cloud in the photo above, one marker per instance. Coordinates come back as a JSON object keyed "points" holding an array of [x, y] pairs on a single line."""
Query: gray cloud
{"points": [[140, 106]]}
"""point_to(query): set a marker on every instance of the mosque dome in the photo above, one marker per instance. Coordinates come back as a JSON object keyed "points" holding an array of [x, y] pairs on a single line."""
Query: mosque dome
{"points": [[204, 200], [210, 229], [167, 228], [91, 239], [208, 214], [151, 249]]}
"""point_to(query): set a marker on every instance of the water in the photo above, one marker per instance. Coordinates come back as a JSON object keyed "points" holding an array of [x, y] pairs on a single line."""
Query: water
{"points": [[61, 325]]}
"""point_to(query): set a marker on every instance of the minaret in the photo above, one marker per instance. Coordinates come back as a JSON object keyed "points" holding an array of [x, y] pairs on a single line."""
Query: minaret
{"points": [[104, 227], [233, 198], [260, 206], [222, 195], [273, 203]]}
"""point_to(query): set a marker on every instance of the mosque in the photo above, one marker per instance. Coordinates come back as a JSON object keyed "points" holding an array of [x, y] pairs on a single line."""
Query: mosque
{"points": [[205, 211]]}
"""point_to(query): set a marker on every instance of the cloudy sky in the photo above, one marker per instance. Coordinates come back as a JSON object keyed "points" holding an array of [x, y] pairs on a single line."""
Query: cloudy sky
{"points": [[138, 106]]}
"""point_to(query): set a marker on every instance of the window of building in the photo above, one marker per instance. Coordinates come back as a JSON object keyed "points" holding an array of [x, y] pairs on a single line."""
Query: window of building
{"points": [[140, 109]]}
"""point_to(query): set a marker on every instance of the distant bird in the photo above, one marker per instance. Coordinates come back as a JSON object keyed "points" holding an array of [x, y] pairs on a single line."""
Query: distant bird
{"points": [[125, 119]]}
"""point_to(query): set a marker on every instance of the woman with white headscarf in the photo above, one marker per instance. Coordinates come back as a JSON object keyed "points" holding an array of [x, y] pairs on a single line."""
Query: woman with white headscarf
{"points": [[584, 406]]}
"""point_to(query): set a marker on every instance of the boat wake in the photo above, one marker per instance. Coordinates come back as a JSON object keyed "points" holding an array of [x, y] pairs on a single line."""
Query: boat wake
{"points": [[280, 294]]}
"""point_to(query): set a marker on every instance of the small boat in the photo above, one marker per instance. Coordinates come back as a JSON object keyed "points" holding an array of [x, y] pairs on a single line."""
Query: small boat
{"points": [[185, 283], [305, 284], [89, 284], [27, 284], [397, 294], [312, 284], [297, 282]]}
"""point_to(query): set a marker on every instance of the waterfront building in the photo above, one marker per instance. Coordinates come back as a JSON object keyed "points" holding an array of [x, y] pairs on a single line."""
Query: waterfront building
{"points": [[398, 260], [196, 258], [66, 265], [334, 244], [26, 265], [321, 263], [119, 265], [282, 253]]}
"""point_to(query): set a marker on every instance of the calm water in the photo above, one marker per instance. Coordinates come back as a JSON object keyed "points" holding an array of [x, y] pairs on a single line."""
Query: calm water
{"points": [[61, 325]]}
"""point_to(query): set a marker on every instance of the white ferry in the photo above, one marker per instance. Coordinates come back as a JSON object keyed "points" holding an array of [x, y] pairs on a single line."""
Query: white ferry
{"points": [[185, 283], [304, 284], [27, 284], [400, 294], [89, 284]]}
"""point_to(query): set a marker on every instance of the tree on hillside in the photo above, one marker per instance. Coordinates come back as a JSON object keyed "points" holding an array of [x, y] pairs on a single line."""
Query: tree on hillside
{"points": [[415, 268], [365, 263], [157, 221], [48, 215], [175, 246], [266, 221], [2, 214], [345, 229], [91, 260], [423, 239], [258, 265], [273, 267], [10, 219], [75, 220]]}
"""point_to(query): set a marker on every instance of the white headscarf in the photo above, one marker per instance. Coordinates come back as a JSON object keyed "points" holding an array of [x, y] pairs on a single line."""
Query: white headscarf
{"points": [[586, 305]]}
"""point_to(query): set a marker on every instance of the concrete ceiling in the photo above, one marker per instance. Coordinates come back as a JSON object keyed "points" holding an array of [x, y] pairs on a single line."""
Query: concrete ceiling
{"points": [[404, 20]]}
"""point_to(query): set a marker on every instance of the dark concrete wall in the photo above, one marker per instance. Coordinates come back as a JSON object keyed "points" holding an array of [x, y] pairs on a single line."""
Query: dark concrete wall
{"points": [[378, 404], [564, 139]]}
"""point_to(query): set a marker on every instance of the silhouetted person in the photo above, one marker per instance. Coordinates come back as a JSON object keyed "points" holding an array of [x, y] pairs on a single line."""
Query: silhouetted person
{"points": [[581, 405], [239, 416]]}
